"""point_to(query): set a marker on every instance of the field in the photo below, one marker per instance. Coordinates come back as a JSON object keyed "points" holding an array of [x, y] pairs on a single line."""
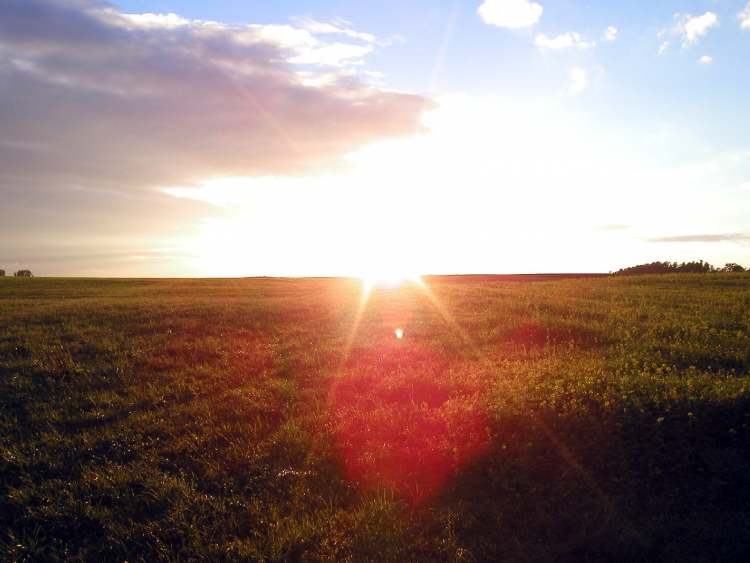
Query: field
{"points": [[556, 420]]}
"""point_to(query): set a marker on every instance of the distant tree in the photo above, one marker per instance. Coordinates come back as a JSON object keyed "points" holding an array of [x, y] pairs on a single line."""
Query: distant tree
{"points": [[651, 268], [699, 267], [24, 274], [2, 273], [731, 267]]}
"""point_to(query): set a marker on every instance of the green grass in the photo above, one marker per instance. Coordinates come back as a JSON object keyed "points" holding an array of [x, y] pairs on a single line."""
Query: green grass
{"points": [[567, 420]]}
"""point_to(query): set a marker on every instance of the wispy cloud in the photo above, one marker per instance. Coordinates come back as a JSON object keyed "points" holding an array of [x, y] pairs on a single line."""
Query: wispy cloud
{"points": [[744, 17], [610, 34], [691, 28], [706, 60], [579, 80], [336, 28], [709, 238], [512, 14], [561, 42]]}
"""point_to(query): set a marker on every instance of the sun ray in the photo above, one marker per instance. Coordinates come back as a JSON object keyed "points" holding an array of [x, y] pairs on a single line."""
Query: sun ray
{"points": [[368, 284], [563, 451], [449, 319], [446, 38], [362, 304]]}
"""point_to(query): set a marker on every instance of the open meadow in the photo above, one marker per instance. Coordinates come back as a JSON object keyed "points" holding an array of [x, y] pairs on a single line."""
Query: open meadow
{"points": [[461, 419]]}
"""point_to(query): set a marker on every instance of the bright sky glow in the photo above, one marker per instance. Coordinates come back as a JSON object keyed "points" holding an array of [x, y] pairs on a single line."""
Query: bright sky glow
{"points": [[327, 139]]}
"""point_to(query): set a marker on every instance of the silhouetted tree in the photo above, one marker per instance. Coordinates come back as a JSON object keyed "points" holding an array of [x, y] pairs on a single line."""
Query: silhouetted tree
{"points": [[24, 274], [699, 267], [731, 267], [2, 273]]}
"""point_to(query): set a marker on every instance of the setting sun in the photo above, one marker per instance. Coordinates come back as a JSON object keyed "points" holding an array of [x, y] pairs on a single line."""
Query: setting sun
{"points": [[386, 259], [387, 279]]}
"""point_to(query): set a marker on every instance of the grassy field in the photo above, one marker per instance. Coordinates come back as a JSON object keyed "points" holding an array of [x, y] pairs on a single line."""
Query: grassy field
{"points": [[564, 420]]}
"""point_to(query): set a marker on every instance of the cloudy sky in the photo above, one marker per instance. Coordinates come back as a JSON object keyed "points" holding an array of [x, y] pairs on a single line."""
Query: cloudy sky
{"points": [[223, 138]]}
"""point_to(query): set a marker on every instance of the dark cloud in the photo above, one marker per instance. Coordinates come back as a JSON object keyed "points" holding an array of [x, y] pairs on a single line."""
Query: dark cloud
{"points": [[94, 103], [728, 237], [88, 94]]}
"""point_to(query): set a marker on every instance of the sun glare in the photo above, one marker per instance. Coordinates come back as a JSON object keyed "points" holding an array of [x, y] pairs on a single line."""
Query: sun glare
{"points": [[387, 279]]}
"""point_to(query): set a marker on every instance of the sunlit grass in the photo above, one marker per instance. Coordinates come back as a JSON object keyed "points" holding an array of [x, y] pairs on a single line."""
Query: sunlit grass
{"points": [[277, 419]]}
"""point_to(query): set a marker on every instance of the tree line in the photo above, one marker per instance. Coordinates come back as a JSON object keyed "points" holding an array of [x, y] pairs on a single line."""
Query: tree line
{"points": [[18, 274], [697, 267]]}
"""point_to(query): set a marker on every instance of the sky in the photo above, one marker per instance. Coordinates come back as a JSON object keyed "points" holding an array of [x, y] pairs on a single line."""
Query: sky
{"points": [[242, 138]]}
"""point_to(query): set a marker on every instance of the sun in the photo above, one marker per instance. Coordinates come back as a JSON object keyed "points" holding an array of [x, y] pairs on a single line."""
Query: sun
{"points": [[387, 257], [387, 278]]}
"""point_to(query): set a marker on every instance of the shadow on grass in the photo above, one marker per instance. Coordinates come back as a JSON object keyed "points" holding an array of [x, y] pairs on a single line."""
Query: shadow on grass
{"points": [[533, 334], [619, 487]]}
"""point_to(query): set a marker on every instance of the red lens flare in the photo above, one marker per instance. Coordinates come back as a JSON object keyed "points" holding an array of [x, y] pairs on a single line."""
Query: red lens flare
{"points": [[404, 420]]}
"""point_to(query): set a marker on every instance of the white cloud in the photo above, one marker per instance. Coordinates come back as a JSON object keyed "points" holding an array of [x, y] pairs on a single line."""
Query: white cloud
{"points": [[153, 21], [663, 47], [343, 28], [610, 34], [563, 41], [300, 40], [744, 17], [513, 14], [706, 60], [692, 28], [305, 48], [579, 80], [336, 54], [287, 36]]}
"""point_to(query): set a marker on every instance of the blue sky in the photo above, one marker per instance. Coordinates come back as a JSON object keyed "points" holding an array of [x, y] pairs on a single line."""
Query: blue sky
{"points": [[485, 59], [445, 47], [497, 136]]}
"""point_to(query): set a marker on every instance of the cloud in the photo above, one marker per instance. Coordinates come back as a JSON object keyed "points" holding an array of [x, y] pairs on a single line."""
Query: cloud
{"points": [[610, 34], [100, 109], [692, 28], [563, 41], [512, 14], [92, 96], [707, 238], [663, 47], [338, 28], [337, 54], [149, 20], [744, 17], [706, 60], [579, 80]]}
